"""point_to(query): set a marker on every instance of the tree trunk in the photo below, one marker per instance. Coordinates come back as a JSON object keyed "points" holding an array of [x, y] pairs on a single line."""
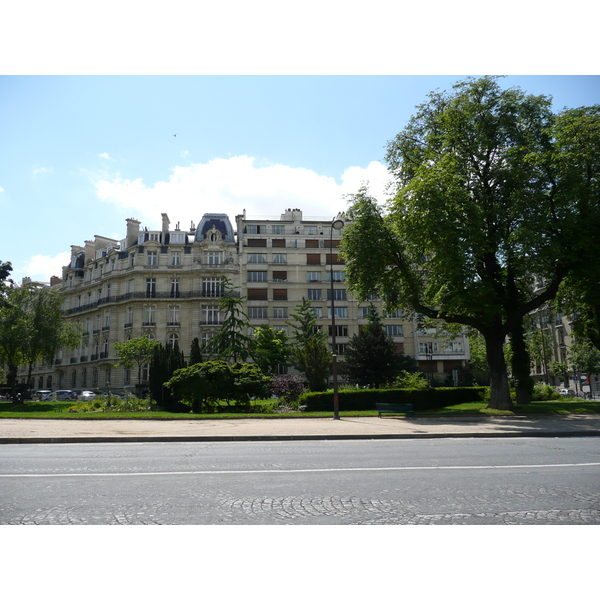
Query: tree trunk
{"points": [[521, 364], [499, 391]]}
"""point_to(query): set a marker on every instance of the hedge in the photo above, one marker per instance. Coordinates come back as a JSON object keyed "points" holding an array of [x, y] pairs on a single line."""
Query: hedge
{"points": [[367, 398]]}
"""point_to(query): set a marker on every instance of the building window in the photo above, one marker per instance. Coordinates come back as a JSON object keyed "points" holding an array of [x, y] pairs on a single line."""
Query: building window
{"points": [[310, 230], [214, 258], [173, 315], [149, 315], [280, 312], [395, 314], [257, 312], [257, 258], [394, 330], [278, 243], [107, 375], [314, 294], [172, 339], [176, 258], [254, 276], [145, 372], [254, 229], [338, 276], [151, 287], [279, 275], [212, 287], [84, 378], [280, 259], [340, 330], [313, 276], [333, 259], [317, 311], [257, 243], [127, 376], [280, 294], [257, 294], [453, 347], [278, 229], [337, 294], [313, 259], [428, 347], [210, 314], [130, 315], [152, 258], [177, 238], [74, 378], [175, 288], [340, 311]]}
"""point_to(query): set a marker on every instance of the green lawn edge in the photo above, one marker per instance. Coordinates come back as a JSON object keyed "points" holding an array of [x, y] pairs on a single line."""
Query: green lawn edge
{"points": [[57, 410]]}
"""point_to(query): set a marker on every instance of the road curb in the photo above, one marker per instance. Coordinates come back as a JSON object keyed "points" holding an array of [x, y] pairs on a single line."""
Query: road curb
{"points": [[291, 437]]}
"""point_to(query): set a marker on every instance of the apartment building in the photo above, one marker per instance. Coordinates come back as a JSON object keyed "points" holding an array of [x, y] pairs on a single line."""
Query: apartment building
{"points": [[165, 284]]}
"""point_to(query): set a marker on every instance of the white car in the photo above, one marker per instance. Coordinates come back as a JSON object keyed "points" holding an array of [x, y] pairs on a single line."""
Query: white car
{"points": [[61, 395], [40, 394], [87, 395], [569, 393]]}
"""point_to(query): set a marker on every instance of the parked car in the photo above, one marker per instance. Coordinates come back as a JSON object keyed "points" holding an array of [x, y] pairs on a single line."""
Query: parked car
{"points": [[62, 395], [567, 392], [41, 394], [87, 395]]}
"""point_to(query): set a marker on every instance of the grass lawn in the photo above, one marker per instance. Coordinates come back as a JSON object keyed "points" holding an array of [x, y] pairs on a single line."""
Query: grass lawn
{"points": [[58, 410]]}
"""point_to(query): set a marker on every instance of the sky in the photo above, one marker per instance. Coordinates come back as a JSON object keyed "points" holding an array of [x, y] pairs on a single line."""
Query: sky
{"points": [[258, 126]]}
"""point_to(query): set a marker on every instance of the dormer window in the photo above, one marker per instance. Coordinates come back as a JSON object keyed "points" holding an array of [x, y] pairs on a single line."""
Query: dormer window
{"points": [[177, 238]]}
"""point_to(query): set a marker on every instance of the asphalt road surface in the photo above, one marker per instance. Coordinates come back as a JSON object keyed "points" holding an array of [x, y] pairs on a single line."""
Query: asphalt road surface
{"points": [[370, 482]]}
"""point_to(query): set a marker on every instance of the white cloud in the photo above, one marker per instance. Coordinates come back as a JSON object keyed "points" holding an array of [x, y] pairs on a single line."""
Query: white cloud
{"points": [[234, 184], [41, 268], [40, 170], [1, 189], [104, 155]]}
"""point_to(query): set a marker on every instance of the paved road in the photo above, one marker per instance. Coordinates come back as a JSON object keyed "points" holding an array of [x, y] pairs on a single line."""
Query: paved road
{"points": [[413, 481]]}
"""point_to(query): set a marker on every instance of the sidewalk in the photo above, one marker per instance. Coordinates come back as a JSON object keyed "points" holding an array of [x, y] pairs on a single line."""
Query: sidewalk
{"points": [[44, 431]]}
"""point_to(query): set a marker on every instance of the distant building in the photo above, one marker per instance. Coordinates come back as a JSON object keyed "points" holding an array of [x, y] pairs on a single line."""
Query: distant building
{"points": [[165, 284]]}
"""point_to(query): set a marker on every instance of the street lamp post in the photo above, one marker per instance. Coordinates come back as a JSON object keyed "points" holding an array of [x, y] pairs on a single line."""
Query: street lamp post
{"points": [[337, 223]]}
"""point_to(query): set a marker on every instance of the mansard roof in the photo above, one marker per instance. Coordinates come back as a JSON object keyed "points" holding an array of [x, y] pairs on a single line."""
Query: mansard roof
{"points": [[218, 220]]}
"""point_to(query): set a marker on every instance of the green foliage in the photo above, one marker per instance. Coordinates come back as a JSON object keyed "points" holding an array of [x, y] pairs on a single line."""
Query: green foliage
{"points": [[112, 404], [135, 352], [202, 385], [32, 327], [371, 358], [165, 361], [309, 353], [487, 199], [230, 343], [195, 352], [412, 381], [584, 356], [269, 348], [365, 399], [543, 392]]}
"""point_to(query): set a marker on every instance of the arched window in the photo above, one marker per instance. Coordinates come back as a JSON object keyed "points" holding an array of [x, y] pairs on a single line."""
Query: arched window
{"points": [[172, 339], [74, 378]]}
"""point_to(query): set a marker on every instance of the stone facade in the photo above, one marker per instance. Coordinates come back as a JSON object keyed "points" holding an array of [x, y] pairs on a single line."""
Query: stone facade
{"points": [[166, 284]]}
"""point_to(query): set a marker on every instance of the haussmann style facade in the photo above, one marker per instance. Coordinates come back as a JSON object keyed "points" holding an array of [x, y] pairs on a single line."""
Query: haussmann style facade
{"points": [[165, 284]]}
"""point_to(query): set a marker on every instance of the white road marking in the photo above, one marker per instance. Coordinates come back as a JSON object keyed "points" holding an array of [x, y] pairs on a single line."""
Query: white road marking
{"points": [[278, 471]]}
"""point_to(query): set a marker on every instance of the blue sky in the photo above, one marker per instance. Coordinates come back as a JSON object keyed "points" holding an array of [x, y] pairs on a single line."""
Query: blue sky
{"points": [[80, 154]]}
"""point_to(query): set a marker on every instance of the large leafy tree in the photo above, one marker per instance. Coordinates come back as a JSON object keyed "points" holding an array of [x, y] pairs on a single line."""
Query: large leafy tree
{"points": [[32, 327], [136, 352], [486, 222], [269, 349], [309, 352], [371, 357]]}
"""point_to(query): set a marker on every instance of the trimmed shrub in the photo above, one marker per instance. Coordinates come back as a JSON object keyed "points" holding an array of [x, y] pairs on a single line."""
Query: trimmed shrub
{"points": [[366, 399]]}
